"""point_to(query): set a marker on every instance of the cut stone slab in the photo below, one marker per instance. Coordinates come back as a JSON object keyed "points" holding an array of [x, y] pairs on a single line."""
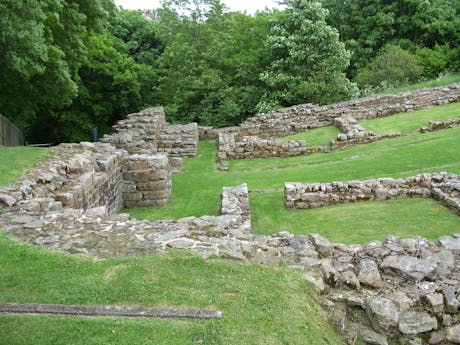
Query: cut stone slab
{"points": [[435, 301], [321, 244], [409, 266], [411, 322], [84, 310]]}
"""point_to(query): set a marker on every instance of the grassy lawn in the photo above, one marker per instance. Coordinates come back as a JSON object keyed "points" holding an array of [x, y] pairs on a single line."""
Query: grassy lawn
{"points": [[260, 305], [315, 137], [445, 80], [14, 161], [358, 222], [411, 122]]}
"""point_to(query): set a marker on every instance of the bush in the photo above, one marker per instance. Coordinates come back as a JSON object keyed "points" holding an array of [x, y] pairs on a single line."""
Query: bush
{"points": [[435, 61], [393, 66]]}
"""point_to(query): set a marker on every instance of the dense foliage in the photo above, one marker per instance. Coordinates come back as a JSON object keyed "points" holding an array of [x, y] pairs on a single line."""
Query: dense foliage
{"points": [[67, 66]]}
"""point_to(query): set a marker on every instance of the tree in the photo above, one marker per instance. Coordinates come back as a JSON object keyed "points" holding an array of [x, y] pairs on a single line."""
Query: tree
{"points": [[209, 70], [367, 25], [140, 36], [392, 67], [307, 59], [43, 48]]}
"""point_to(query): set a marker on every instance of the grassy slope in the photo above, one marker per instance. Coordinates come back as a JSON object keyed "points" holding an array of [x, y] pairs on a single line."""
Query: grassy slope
{"points": [[409, 124], [260, 305], [14, 161]]}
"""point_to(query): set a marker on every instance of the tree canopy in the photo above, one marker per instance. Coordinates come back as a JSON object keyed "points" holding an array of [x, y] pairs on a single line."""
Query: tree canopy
{"points": [[67, 66]]}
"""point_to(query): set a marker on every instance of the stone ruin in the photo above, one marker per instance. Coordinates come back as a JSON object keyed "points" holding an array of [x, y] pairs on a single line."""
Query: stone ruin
{"points": [[404, 290], [300, 118], [398, 289], [438, 125], [148, 132], [255, 138], [230, 147]]}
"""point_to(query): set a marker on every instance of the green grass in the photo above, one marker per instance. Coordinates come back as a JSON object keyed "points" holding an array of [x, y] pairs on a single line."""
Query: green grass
{"points": [[358, 222], [260, 305], [444, 80], [315, 137], [411, 122], [14, 161]]}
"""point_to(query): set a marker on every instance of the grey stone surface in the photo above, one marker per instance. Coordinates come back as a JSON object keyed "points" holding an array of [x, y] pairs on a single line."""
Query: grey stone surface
{"points": [[382, 313], [409, 266], [369, 274], [453, 334], [411, 322]]}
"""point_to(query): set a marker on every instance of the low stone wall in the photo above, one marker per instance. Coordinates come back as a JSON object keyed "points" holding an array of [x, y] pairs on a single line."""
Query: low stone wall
{"points": [[443, 186], [179, 140], [230, 147], [438, 125], [300, 118], [350, 128]]}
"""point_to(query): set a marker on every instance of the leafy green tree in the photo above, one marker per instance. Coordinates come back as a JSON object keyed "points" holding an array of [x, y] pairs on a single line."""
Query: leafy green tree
{"points": [[307, 59], [140, 36], [367, 25], [43, 47], [392, 67], [209, 71]]}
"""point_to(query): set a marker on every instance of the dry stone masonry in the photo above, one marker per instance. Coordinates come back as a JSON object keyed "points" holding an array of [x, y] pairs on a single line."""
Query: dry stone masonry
{"points": [[300, 118], [148, 132], [179, 140], [230, 147], [146, 180], [399, 291], [437, 125], [443, 187], [248, 138], [396, 291]]}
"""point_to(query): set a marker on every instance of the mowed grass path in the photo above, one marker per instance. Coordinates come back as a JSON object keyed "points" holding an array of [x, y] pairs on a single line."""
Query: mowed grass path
{"points": [[196, 190]]}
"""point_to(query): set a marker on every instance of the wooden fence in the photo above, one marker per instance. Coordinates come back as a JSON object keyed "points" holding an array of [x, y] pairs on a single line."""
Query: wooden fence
{"points": [[10, 135]]}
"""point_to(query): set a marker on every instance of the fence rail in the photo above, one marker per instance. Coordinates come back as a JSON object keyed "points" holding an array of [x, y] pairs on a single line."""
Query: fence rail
{"points": [[10, 135]]}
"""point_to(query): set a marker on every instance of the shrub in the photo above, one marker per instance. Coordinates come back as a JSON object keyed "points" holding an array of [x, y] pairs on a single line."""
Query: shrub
{"points": [[393, 66], [435, 61]]}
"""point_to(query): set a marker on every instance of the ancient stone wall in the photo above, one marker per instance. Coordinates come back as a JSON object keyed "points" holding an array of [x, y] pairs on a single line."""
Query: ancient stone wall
{"points": [[179, 140], [443, 186], [139, 132], [146, 180], [303, 117], [211, 133], [87, 175], [147, 132], [401, 291], [437, 125], [230, 147]]}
